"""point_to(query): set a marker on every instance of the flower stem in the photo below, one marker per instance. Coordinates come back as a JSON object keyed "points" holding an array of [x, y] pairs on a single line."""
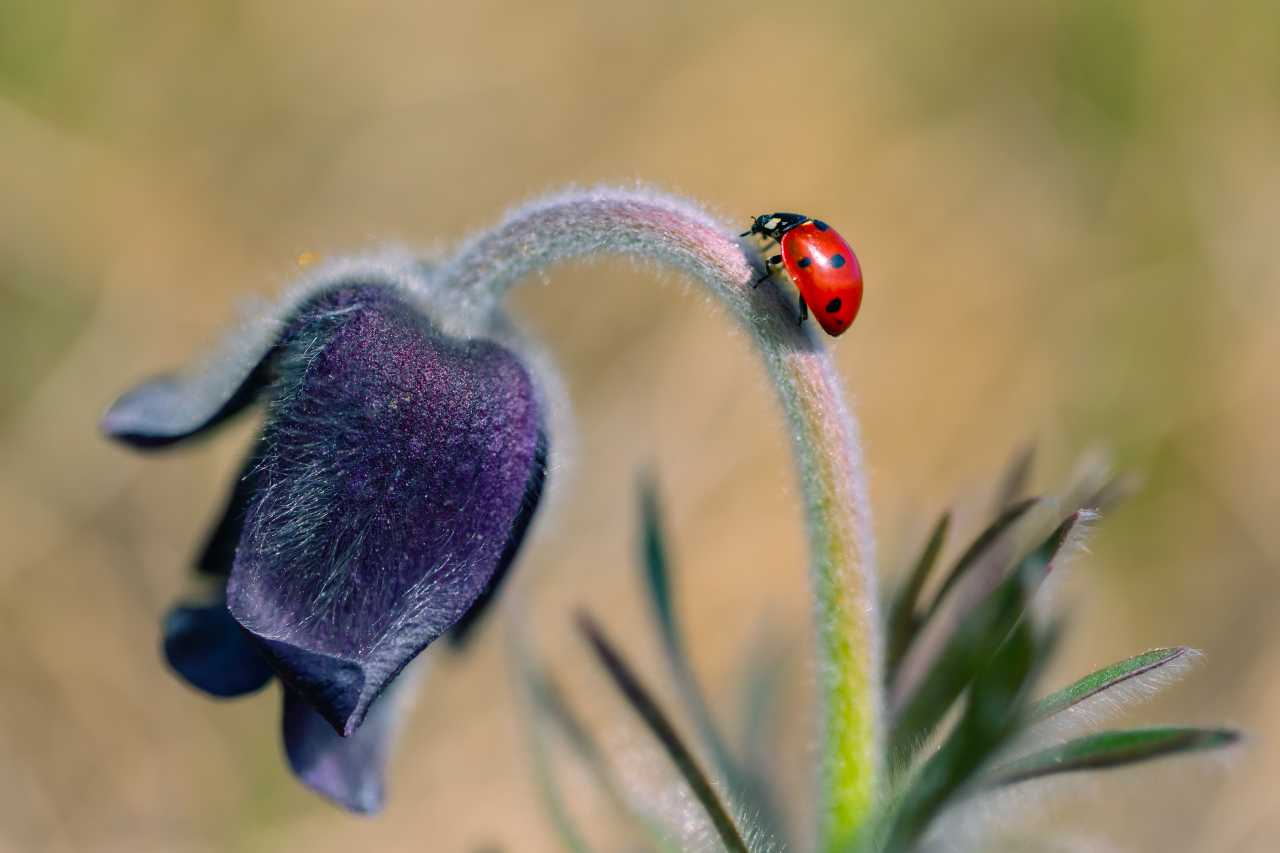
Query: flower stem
{"points": [[823, 430]]}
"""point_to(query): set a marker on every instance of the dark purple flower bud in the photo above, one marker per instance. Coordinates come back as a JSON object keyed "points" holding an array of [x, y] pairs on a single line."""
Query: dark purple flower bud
{"points": [[398, 473], [388, 494]]}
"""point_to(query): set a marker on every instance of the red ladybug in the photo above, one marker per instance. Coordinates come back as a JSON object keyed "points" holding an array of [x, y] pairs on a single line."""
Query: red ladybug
{"points": [[820, 263]]}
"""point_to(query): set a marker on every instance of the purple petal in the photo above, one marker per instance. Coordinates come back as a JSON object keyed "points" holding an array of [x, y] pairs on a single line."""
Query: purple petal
{"points": [[171, 408], [210, 651], [398, 470], [462, 630], [219, 551], [348, 770], [168, 409]]}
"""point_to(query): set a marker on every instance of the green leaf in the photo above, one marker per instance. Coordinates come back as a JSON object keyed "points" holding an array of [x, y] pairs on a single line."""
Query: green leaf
{"points": [[657, 568], [644, 704], [992, 715], [903, 620], [761, 690], [660, 584], [1096, 683], [972, 645], [1112, 749], [1013, 483], [979, 547], [1115, 491], [566, 829], [549, 703]]}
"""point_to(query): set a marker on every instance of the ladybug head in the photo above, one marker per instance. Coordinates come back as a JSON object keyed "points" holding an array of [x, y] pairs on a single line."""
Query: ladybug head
{"points": [[759, 225], [774, 224]]}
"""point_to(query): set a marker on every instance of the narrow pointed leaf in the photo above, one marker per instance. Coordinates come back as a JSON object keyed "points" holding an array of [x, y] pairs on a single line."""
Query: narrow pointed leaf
{"points": [[1017, 475], [1107, 678], [761, 693], [552, 703], [1115, 491], [566, 828], [660, 583], [761, 688], [644, 704], [979, 547], [657, 572], [991, 716], [903, 620], [972, 645], [1112, 749]]}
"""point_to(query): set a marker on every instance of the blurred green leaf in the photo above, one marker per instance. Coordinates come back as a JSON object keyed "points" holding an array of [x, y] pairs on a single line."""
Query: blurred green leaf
{"points": [[903, 621], [1016, 478], [657, 570], [1106, 678], [550, 703], [747, 788], [992, 714], [761, 692], [1112, 749], [535, 686], [972, 645], [643, 703], [979, 547], [761, 688]]}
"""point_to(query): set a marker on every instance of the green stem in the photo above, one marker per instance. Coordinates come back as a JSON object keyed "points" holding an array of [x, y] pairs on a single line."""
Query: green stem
{"points": [[825, 442], [469, 289]]}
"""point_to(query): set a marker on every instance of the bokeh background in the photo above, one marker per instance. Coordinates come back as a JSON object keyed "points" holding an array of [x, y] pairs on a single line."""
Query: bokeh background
{"points": [[1067, 215]]}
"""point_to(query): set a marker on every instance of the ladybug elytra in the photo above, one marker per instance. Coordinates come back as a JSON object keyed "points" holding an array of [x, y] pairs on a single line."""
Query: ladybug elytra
{"points": [[820, 264]]}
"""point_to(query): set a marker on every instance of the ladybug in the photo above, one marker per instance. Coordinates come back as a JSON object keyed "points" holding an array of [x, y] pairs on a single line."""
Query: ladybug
{"points": [[820, 263]]}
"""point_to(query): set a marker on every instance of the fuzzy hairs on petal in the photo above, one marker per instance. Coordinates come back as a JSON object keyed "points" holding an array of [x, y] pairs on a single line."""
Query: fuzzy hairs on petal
{"points": [[398, 465]]}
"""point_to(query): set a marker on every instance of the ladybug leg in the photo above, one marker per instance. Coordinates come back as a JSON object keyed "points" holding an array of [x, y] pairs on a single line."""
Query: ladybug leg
{"points": [[769, 264], [804, 311]]}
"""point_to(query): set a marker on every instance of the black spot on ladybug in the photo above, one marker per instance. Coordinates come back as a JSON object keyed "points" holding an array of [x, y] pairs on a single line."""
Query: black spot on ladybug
{"points": [[837, 261], [820, 225], [804, 262], [834, 305]]}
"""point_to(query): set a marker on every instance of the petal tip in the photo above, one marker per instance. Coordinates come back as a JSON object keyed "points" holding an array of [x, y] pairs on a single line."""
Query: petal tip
{"points": [[347, 771], [334, 687], [126, 419], [207, 649]]}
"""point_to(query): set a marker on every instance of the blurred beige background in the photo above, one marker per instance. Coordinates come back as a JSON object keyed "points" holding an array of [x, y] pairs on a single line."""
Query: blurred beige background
{"points": [[1066, 212]]}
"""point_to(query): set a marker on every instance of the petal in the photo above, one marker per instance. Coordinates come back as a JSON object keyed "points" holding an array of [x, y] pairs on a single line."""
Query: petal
{"points": [[348, 770], [463, 628], [210, 651], [171, 408], [167, 409], [219, 550], [398, 466]]}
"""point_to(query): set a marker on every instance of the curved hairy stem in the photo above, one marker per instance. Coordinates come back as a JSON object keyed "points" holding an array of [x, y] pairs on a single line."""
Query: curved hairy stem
{"points": [[823, 430]]}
